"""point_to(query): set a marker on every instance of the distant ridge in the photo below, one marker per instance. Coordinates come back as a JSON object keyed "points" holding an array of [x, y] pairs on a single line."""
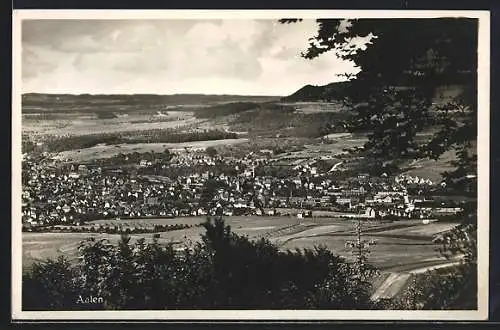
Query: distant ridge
{"points": [[331, 92], [336, 92], [34, 94], [57, 102]]}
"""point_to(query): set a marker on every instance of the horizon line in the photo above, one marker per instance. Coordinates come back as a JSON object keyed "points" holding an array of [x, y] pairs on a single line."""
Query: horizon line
{"points": [[152, 94]]}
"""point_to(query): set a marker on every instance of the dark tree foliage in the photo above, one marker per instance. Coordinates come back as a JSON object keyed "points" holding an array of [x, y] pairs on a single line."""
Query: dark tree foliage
{"points": [[106, 115], [51, 285], [62, 143], [402, 68], [211, 151], [330, 92], [225, 109], [27, 146], [135, 157], [449, 289], [223, 271], [396, 94], [107, 229], [209, 192]]}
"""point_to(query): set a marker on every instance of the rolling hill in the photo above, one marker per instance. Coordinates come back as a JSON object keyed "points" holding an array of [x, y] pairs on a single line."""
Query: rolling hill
{"points": [[35, 103], [335, 92], [331, 92]]}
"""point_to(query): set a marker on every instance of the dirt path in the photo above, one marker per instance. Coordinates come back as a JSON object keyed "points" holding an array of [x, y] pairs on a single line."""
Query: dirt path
{"points": [[334, 168], [396, 281], [391, 286]]}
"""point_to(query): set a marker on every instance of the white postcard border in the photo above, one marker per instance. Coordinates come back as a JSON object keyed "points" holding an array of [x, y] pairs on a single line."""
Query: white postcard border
{"points": [[304, 315]]}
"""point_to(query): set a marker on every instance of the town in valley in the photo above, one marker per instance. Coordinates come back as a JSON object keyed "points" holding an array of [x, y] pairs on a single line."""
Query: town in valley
{"points": [[156, 143]]}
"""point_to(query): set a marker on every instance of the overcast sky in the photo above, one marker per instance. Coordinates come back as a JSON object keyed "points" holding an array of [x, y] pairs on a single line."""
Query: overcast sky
{"points": [[249, 57]]}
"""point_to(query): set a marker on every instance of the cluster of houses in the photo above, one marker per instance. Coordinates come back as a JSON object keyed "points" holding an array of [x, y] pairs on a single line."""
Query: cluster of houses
{"points": [[60, 193]]}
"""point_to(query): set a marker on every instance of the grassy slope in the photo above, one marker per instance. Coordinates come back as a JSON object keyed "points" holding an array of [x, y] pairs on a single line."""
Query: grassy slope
{"points": [[393, 251]]}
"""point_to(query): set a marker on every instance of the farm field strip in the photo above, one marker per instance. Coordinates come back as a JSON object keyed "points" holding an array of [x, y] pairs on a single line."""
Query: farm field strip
{"points": [[426, 231], [107, 151], [389, 251], [82, 126], [397, 257]]}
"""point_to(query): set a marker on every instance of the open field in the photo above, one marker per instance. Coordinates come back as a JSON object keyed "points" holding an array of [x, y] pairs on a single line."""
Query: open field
{"points": [[328, 149], [432, 169], [407, 246], [228, 146], [38, 246], [77, 124], [314, 107], [387, 252], [335, 136], [402, 248], [106, 151], [278, 120], [424, 231], [270, 120]]}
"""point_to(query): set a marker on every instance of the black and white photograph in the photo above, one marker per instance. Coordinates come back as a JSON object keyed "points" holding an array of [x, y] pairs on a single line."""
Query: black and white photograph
{"points": [[250, 164]]}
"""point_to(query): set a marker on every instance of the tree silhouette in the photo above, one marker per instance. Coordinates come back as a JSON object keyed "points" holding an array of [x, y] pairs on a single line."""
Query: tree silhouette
{"points": [[397, 94], [211, 152], [224, 270], [393, 97], [361, 248]]}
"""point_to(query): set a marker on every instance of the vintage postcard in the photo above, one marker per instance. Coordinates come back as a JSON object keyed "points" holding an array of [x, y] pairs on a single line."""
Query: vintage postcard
{"points": [[250, 165]]}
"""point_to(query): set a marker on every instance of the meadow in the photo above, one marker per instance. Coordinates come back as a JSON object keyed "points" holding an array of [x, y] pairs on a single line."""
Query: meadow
{"points": [[83, 124], [107, 151], [315, 107], [432, 169], [398, 245]]}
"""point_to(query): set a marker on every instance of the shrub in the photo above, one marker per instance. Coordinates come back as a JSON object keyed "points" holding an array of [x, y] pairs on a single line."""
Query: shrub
{"points": [[453, 288], [223, 271], [51, 285]]}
